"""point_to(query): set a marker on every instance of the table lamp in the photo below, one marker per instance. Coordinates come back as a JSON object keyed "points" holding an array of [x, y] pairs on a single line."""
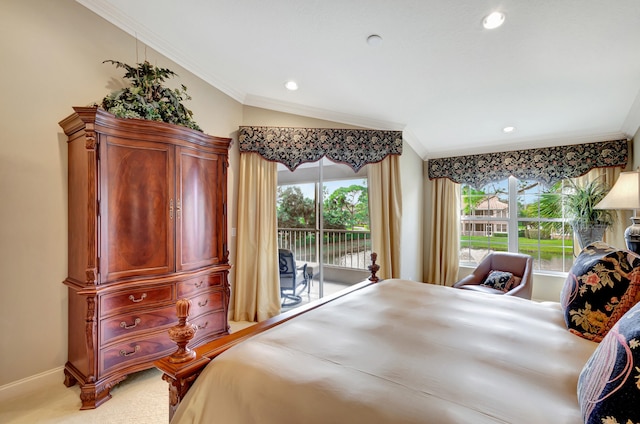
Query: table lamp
{"points": [[625, 195]]}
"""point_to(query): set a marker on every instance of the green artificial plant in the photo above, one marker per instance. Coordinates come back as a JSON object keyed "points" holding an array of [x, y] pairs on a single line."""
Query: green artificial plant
{"points": [[581, 201], [147, 98], [588, 222]]}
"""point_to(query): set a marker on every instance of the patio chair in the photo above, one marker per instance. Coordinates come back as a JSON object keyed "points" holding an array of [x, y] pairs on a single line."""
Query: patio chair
{"points": [[293, 279]]}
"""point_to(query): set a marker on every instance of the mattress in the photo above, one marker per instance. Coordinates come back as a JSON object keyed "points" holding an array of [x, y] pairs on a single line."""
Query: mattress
{"points": [[400, 351]]}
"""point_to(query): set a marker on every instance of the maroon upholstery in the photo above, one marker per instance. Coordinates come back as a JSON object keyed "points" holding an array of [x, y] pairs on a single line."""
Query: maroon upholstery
{"points": [[518, 264]]}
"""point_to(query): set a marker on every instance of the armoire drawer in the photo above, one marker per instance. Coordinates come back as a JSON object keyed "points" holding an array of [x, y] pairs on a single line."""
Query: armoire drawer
{"points": [[188, 288], [142, 349], [209, 324], [205, 302], [131, 323], [136, 298]]}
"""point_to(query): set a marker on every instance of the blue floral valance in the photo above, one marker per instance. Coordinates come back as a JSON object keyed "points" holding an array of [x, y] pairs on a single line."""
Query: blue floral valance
{"points": [[546, 165], [293, 146]]}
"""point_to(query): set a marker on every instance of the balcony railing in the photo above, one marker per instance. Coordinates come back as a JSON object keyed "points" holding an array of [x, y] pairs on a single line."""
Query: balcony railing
{"points": [[341, 248]]}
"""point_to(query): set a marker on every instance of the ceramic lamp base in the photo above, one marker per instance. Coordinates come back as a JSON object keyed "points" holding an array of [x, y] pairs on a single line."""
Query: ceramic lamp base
{"points": [[632, 235]]}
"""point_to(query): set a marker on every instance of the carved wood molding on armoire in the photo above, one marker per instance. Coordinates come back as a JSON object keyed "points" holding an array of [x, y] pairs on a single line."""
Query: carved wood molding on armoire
{"points": [[147, 226]]}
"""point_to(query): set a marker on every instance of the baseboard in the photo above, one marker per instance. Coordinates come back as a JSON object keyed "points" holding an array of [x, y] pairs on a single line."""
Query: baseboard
{"points": [[31, 384]]}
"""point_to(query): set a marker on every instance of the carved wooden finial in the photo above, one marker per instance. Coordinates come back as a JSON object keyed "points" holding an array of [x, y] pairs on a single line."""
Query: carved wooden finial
{"points": [[182, 333], [374, 267]]}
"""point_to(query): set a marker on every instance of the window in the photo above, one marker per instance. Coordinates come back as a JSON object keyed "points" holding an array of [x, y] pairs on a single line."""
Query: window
{"points": [[516, 216]]}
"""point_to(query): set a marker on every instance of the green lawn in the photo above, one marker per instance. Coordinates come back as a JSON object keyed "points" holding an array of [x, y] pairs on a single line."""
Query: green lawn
{"points": [[548, 248]]}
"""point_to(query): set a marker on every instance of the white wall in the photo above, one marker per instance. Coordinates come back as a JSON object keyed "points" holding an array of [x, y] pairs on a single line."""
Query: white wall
{"points": [[255, 116], [636, 150], [412, 232]]}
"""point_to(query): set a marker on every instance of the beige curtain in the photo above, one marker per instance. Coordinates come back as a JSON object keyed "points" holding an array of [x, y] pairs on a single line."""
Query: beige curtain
{"points": [[257, 284], [385, 214], [614, 236], [442, 232]]}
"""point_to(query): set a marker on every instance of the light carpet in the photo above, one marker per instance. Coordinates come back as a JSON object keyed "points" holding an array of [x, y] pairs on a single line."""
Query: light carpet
{"points": [[142, 398]]}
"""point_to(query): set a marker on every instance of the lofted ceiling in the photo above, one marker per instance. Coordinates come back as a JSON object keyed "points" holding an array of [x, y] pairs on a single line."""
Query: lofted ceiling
{"points": [[559, 71]]}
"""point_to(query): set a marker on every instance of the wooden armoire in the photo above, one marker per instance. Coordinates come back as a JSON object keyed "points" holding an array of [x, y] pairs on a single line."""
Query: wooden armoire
{"points": [[147, 226]]}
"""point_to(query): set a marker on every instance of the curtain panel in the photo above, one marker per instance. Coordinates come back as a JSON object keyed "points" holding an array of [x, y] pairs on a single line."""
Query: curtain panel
{"points": [[545, 165], [442, 247], [385, 212], [294, 146], [256, 290]]}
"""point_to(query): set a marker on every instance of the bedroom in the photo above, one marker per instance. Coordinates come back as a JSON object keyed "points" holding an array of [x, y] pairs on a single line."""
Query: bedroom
{"points": [[52, 56]]}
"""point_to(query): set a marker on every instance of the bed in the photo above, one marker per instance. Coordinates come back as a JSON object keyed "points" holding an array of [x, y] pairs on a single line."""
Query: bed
{"points": [[394, 351]]}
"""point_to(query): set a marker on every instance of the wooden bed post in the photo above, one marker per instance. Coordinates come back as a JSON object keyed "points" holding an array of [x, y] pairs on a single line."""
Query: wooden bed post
{"points": [[182, 333], [373, 268]]}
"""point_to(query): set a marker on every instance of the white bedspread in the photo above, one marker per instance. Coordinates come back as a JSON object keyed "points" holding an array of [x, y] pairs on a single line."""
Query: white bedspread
{"points": [[400, 352]]}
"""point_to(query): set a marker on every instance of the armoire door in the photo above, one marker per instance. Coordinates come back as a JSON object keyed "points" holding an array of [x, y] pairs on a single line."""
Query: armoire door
{"points": [[200, 224], [137, 209]]}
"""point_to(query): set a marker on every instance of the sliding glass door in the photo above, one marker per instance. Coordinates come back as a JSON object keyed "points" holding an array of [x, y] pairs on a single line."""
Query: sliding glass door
{"points": [[323, 217]]}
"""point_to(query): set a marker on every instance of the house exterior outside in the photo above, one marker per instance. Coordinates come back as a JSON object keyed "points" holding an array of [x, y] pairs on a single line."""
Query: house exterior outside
{"points": [[484, 219]]}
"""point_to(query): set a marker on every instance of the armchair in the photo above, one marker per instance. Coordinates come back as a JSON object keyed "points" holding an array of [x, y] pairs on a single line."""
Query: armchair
{"points": [[520, 265]]}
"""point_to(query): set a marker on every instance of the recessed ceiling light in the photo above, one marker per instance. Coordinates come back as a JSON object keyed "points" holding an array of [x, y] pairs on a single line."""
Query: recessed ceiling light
{"points": [[374, 40], [291, 85], [508, 130], [493, 20]]}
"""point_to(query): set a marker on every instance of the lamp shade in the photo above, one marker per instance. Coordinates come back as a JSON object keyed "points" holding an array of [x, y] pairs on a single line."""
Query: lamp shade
{"points": [[625, 193]]}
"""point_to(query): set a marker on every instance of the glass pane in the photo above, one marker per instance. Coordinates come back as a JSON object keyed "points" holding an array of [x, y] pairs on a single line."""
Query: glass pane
{"points": [[484, 221], [297, 211], [534, 200], [542, 231], [347, 238]]}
